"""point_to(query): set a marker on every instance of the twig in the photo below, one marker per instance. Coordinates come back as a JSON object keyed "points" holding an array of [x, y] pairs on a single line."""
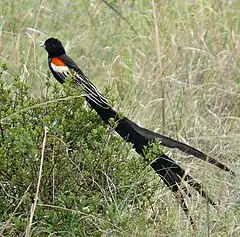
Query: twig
{"points": [[118, 13], [19, 204], [28, 230], [41, 104], [1, 130]]}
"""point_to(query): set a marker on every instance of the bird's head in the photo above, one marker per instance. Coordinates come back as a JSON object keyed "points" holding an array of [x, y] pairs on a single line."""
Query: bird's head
{"points": [[54, 47]]}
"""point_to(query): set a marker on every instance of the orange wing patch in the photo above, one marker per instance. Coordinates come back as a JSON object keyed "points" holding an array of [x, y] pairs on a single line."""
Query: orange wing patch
{"points": [[58, 62]]}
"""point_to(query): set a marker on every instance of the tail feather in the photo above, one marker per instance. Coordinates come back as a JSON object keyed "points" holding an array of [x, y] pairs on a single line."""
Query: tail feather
{"points": [[171, 143], [173, 176], [184, 207], [145, 136], [198, 187]]}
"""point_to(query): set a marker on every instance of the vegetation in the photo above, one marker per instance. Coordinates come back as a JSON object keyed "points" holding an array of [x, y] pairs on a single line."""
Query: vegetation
{"points": [[172, 66]]}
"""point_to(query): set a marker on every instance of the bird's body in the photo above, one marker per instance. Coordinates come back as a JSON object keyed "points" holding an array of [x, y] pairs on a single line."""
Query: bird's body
{"points": [[61, 65]]}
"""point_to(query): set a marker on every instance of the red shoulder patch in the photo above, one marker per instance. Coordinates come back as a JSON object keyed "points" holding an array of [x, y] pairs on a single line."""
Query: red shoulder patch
{"points": [[58, 62]]}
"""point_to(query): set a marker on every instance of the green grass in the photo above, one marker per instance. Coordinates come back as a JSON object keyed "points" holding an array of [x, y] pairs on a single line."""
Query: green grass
{"points": [[179, 75]]}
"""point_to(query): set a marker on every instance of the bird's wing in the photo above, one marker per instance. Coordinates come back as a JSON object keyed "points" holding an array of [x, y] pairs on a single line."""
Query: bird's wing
{"points": [[91, 92], [59, 69]]}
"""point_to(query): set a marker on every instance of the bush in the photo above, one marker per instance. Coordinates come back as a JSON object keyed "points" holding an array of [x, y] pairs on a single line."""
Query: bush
{"points": [[91, 182]]}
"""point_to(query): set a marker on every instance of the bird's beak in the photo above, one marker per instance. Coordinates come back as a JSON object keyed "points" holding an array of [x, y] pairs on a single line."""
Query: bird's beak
{"points": [[42, 44]]}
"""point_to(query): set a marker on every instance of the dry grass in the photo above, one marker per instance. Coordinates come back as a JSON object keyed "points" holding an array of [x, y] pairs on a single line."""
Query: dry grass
{"points": [[184, 59]]}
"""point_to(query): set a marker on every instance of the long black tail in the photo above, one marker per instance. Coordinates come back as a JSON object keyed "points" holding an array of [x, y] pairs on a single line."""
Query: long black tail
{"points": [[174, 176], [142, 136], [168, 142]]}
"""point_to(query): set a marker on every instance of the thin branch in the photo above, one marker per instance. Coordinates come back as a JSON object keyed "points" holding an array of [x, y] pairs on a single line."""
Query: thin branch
{"points": [[15, 210], [119, 14], [28, 230], [1, 131]]}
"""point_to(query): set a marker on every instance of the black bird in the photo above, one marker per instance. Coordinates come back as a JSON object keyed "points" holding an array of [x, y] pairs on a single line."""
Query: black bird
{"points": [[61, 66]]}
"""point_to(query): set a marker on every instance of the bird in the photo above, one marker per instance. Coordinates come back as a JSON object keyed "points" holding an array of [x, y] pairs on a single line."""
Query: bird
{"points": [[142, 139]]}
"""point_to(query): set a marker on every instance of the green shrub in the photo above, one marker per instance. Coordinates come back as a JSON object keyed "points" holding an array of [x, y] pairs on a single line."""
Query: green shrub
{"points": [[91, 182]]}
